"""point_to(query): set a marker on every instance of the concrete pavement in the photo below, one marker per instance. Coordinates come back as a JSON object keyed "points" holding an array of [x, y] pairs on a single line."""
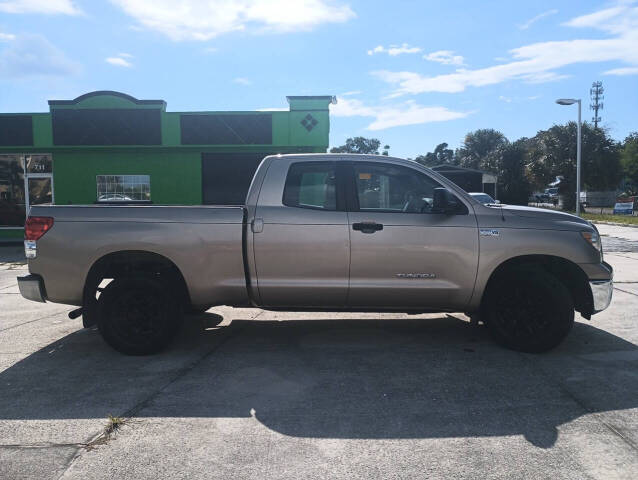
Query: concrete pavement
{"points": [[290, 395]]}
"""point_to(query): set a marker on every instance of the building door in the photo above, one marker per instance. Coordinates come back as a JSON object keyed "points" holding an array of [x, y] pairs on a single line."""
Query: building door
{"points": [[403, 254], [12, 186], [38, 180], [227, 176]]}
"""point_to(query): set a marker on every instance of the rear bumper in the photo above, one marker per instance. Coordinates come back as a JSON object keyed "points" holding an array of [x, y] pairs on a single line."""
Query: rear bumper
{"points": [[32, 288]]}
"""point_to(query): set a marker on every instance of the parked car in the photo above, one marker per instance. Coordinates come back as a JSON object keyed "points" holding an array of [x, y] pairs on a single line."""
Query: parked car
{"points": [[321, 232], [484, 198], [114, 197]]}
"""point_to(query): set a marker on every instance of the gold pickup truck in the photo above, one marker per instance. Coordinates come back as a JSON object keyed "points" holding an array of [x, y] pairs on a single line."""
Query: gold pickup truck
{"points": [[325, 232]]}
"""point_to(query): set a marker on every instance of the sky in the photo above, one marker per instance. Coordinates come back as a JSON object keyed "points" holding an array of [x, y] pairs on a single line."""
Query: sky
{"points": [[411, 73]]}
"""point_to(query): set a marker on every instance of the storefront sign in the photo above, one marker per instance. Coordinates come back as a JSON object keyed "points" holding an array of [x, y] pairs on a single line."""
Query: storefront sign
{"points": [[624, 208]]}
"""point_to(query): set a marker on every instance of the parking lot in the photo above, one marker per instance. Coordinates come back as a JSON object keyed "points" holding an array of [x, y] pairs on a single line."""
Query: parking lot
{"points": [[255, 394]]}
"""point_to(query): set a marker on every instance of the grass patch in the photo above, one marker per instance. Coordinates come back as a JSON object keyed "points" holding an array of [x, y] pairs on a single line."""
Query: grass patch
{"points": [[113, 425], [596, 217]]}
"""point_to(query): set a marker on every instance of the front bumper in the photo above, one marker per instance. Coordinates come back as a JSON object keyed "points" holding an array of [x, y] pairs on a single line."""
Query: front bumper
{"points": [[32, 288], [601, 292]]}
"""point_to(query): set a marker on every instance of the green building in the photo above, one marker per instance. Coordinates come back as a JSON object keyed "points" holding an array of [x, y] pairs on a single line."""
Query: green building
{"points": [[106, 147]]}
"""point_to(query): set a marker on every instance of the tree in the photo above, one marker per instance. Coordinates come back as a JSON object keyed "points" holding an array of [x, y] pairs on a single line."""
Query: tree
{"points": [[359, 145], [386, 150], [553, 153], [513, 185], [441, 156], [478, 148], [629, 161]]}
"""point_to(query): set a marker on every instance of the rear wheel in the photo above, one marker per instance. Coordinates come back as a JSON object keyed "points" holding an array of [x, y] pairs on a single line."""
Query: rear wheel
{"points": [[138, 316], [528, 310]]}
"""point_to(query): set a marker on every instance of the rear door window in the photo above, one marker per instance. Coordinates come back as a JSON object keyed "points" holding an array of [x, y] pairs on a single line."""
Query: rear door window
{"points": [[311, 185]]}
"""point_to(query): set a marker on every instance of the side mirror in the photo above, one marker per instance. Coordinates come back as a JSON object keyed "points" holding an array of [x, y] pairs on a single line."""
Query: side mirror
{"points": [[444, 202]]}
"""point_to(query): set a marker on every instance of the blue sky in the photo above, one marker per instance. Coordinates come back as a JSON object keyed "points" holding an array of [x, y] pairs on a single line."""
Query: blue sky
{"points": [[411, 73]]}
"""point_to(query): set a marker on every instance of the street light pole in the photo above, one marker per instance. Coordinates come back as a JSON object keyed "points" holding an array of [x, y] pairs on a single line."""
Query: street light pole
{"points": [[578, 163], [571, 101]]}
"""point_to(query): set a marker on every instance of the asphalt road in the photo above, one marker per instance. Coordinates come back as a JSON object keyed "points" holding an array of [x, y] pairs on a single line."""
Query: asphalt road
{"points": [[274, 395]]}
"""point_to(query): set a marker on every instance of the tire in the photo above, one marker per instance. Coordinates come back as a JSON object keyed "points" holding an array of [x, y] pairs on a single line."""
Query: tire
{"points": [[138, 316], [528, 310], [200, 310], [89, 316]]}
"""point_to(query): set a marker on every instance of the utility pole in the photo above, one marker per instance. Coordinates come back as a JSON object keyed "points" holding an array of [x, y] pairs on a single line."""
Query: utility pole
{"points": [[596, 94]]}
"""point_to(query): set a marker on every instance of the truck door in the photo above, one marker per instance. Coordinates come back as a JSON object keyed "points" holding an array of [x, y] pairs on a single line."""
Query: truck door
{"points": [[300, 235], [402, 253]]}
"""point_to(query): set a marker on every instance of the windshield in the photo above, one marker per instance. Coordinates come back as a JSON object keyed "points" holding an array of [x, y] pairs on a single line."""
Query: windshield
{"points": [[484, 198]]}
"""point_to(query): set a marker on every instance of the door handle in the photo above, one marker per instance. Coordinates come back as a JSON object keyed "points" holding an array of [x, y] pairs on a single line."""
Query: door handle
{"points": [[257, 225], [367, 227]]}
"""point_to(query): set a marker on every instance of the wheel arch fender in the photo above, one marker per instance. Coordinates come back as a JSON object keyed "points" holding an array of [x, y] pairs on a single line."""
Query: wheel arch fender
{"points": [[130, 263], [566, 271]]}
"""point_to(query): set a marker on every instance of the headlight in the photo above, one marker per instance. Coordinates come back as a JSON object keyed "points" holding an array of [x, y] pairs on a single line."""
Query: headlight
{"points": [[593, 238]]}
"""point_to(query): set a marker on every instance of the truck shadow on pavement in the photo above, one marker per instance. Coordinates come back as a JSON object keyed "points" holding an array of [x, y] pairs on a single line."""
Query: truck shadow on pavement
{"points": [[414, 378]]}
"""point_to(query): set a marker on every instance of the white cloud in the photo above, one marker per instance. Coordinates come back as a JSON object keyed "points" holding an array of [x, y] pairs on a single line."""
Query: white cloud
{"points": [[622, 71], [506, 99], [538, 17], [31, 55], [538, 62], [243, 81], [446, 57], [350, 93], [118, 61], [394, 50], [206, 19], [388, 116], [7, 37], [65, 7]]}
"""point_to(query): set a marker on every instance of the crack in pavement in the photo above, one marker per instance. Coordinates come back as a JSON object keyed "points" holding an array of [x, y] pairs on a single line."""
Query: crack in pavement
{"points": [[625, 291], [133, 411], [584, 406], [19, 446], [31, 321]]}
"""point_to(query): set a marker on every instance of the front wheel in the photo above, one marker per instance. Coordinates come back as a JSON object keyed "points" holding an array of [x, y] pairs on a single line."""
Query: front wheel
{"points": [[138, 316], [528, 310]]}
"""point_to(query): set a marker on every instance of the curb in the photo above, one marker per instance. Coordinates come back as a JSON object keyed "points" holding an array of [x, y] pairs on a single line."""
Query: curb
{"points": [[616, 224]]}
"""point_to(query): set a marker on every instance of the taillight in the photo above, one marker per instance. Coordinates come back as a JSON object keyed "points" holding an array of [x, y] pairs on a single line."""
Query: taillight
{"points": [[35, 227]]}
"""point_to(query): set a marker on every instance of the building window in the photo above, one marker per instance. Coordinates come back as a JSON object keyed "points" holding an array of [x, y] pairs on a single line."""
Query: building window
{"points": [[12, 198], [123, 188]]}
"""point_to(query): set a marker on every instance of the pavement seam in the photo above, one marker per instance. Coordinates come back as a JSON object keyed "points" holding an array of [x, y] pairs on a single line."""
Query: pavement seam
{"points": [[31, 321], [131, 412], [41, 445], [625, 291], [588, 409]]}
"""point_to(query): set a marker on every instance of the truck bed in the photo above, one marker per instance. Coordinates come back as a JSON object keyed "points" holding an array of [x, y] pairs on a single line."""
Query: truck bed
{"points": [[204, 242]]}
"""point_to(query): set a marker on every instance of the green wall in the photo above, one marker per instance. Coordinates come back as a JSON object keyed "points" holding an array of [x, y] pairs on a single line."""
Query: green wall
{"points": [[175, 169], [176, 177]]}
